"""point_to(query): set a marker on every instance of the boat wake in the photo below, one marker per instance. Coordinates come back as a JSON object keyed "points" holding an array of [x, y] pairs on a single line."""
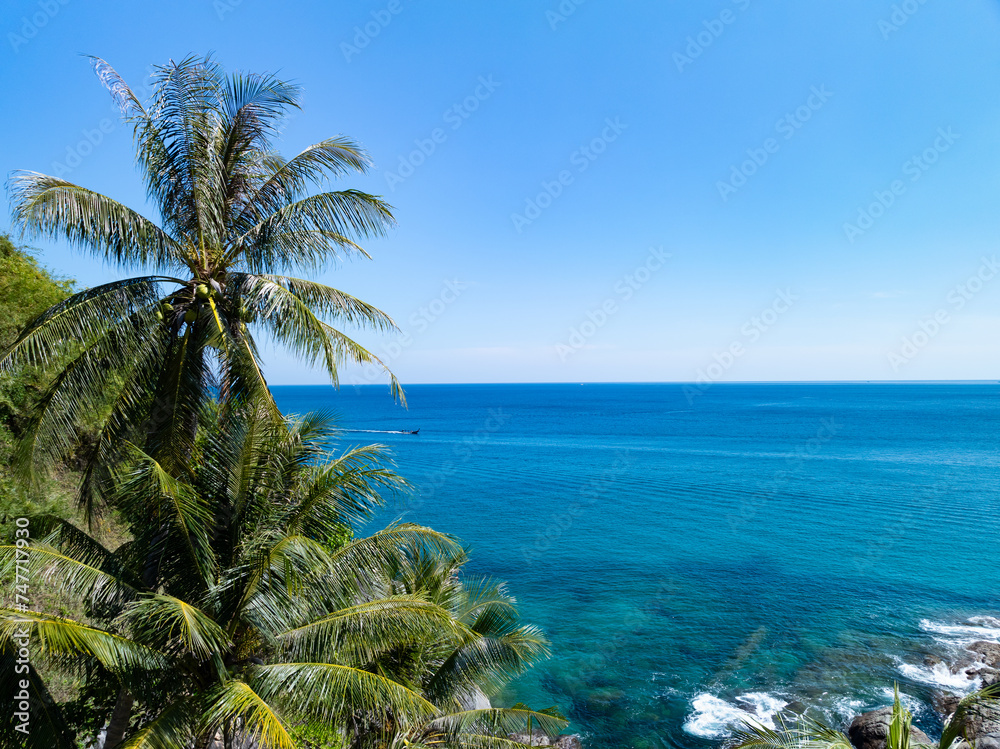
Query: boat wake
{"points": [[383, 431]]}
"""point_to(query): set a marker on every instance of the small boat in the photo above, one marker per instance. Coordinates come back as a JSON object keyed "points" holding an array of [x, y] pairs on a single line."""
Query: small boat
{"points": [[413, 431]]}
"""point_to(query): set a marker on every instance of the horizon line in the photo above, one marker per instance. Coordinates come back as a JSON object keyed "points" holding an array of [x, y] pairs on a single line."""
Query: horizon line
{"points": [[344, 386]]}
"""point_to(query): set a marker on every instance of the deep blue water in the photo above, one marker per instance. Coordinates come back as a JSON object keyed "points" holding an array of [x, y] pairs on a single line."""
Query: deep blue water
{"points": [[698, 557]]}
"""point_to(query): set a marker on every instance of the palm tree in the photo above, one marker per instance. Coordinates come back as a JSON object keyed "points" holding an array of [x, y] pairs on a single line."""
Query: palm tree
{"points": [[809, 733], [147, 352], [460, 674], [260, 611]]}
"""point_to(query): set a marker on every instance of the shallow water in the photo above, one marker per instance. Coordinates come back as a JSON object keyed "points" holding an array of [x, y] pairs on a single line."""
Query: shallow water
{"points": [[698, 557]]}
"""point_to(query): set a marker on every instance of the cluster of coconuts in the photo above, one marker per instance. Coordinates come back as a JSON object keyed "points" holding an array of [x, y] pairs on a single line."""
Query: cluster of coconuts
{"points": [[202, 292]]}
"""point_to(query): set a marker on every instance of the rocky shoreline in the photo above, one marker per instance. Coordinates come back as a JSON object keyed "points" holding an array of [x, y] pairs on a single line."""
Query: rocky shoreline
{"points": [[981, 725], [979, 664]]}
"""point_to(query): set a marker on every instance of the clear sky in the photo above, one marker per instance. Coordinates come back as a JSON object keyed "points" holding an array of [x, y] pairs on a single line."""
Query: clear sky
{"points": [[601, 191]]}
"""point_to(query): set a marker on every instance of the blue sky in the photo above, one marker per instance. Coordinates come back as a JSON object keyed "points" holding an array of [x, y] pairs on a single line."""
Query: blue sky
{"points": [[596, 191]]}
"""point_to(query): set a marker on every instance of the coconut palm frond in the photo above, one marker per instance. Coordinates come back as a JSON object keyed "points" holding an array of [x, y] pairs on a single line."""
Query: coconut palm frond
{"points": [[259, 721], [82, 318], [271, 243], [100, 372], [65, 637], [175, 626], [46, 206], [327, 691], [345, 491], [175, 726], [70, 576], [502, 721], [289, 308], [280, 181], [365, 631]]}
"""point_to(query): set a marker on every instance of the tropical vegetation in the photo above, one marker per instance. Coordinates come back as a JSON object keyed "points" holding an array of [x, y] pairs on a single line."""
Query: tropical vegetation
{"points": [[26, 290], [148, 352], [237, 603], [261, 615]]}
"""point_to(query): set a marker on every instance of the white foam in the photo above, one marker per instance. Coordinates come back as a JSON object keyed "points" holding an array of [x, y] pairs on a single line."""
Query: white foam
{"points": [[907, 701], [938, 675], [713, 717], [978, 628], [985, 621], [844, 709]]}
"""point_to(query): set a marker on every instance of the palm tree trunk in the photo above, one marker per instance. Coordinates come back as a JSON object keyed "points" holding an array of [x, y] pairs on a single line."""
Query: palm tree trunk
{"points": [[121, 716]]}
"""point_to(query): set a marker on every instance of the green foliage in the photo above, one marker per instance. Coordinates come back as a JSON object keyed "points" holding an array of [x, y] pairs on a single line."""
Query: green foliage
{"points": [[231, 610], [239, 601], [26, 290], [899, 724], [318, 735], [146, 354]]}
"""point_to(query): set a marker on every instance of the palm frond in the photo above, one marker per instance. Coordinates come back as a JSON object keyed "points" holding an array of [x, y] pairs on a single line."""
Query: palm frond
{"points": [[43, 726], [64, 637], [275, 241], [364, 631], [326, 691], [259, 721], [175, 626], [174, 727], [493, 721], [51, 207]]}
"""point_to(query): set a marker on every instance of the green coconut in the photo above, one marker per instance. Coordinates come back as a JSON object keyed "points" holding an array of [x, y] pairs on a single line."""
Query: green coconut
{"points": [[191, 315]]}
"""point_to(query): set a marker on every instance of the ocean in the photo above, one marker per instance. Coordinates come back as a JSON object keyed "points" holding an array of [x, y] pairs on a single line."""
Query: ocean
{"points": [[701, 555]]}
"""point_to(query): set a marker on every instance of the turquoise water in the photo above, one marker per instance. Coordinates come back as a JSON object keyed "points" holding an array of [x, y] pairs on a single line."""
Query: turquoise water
{"points": [[697, 557]]}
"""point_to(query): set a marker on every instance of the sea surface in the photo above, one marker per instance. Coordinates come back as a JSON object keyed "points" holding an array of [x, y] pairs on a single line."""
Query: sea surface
{"points": [[698, 556]]}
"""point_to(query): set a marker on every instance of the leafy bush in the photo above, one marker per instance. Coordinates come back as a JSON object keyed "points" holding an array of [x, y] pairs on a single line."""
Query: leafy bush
{"points": [[26, 290]]}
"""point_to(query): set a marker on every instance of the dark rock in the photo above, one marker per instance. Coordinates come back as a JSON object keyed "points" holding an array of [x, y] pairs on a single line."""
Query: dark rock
{"points": [[987, 674], [988, 652], [982, 725], [795, 707], [932, 660], [871, 730], [540, 738], [944, 702]]}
